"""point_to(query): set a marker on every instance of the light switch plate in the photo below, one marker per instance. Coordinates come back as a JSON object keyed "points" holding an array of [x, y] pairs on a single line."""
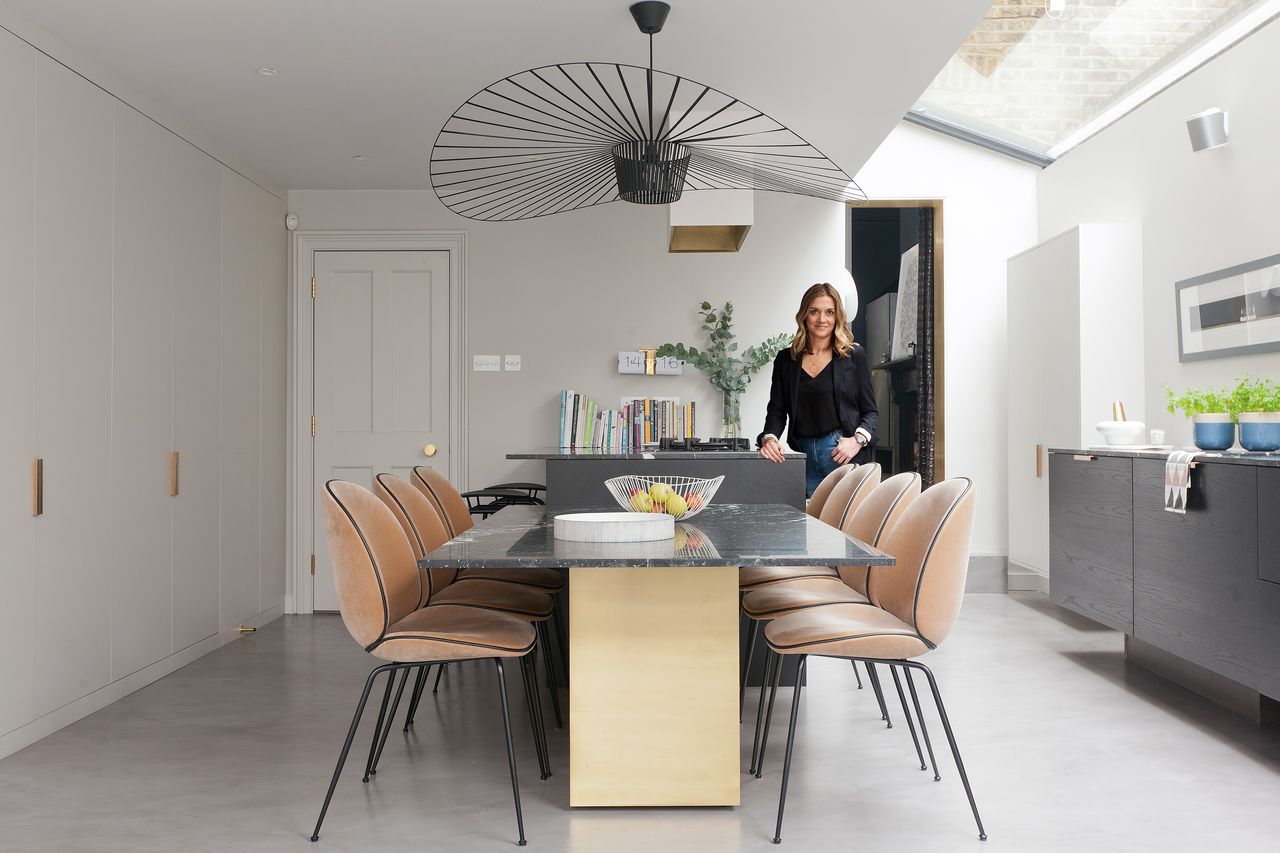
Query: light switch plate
{"points": [[511, 362], [486, 362]]}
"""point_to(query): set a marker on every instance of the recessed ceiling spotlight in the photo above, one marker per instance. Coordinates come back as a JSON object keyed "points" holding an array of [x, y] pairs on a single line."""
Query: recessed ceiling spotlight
{"points": [[269, 71], [359, 156]]}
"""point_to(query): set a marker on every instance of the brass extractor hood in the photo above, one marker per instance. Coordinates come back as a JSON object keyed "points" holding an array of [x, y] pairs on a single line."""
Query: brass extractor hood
{"points": [[710, 221]]}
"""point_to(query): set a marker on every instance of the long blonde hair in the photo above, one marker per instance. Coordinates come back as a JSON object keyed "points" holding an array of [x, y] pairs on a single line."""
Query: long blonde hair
{"points": [[842, 338]]}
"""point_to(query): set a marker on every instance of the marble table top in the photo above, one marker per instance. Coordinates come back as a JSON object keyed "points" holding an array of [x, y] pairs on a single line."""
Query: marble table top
{"points": [[1230, 457], [582, 453], [721, 535]]}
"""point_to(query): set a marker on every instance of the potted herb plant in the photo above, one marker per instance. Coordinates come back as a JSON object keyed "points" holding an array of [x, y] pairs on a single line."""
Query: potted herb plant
{"points": [[1256, 406], [1210, 411], [725, 368]]}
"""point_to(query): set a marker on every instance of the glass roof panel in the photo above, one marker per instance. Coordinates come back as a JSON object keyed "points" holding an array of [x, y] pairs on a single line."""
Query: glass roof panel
{"points": [[1043, 75]]}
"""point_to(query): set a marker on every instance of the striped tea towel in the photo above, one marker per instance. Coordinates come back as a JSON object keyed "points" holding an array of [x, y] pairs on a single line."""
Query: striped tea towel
{"points": [[1177, 480]]}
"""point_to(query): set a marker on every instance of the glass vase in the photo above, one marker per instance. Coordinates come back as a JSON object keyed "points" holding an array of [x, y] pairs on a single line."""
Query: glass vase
{"points": [[732, 414]]}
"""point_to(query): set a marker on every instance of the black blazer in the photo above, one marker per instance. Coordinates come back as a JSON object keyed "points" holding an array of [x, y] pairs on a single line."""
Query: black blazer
{"points": [[855, 397]]}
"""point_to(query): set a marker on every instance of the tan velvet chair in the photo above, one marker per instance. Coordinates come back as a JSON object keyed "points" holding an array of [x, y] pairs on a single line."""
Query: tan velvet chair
{"points": [[379, 589], [453, 509], [917, 603], [844, 497], [819, 497], [870, 522], [426, 531]]}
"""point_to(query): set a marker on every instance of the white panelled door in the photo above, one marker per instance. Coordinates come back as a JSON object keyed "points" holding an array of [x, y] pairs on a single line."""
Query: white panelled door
{"points": [[381, 368]]}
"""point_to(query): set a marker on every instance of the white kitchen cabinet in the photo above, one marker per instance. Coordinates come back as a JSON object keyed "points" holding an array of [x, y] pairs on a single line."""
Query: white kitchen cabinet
{"points": [[272, 311], [196, 209], [17, 441], [241, 401], [140, 550], [72, 384], [1075, 344]]}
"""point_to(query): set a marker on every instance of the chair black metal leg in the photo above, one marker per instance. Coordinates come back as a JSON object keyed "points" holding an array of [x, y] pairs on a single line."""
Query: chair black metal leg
{"points": [[855, 673], [391, 718], [746, 664], [791, 742], [531, 701], [537, 706], [419, 684], [955, 750], [902, 698], [511, 751], [552, 688], [561, 641], [770, 660], [377, 729], [435, 688], [768, 714], [879, 691], [346, 746], [924, 729]]}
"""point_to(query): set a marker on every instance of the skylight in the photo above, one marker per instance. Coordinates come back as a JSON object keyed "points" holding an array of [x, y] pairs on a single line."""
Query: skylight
{"points": [[1038, 77]]}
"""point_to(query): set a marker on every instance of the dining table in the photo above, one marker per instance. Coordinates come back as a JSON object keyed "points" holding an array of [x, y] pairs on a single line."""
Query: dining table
{"points": [[654, 639]]}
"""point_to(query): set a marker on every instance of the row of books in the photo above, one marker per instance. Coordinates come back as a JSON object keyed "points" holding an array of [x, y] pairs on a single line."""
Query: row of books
{"points": [[585, 425]]}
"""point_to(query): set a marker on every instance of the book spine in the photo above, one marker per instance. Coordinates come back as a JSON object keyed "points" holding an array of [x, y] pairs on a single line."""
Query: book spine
{"points": [[573, 423], [564, 398]]}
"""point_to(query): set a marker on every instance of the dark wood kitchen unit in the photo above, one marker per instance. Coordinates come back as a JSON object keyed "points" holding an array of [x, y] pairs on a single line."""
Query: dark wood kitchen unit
{"points": [[1196, 595]]}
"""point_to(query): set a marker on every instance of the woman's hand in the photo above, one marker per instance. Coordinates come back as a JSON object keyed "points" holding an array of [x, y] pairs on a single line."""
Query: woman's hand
{"points": [[845, 450], [772, 451]]}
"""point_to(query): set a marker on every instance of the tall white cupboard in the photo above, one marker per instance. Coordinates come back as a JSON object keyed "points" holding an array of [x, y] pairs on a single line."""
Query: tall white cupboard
{"points": [[142, 329], [1075, 344]]}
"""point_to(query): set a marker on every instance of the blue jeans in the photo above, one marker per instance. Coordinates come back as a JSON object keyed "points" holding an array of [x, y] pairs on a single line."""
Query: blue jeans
{"points": [[817, 462]]}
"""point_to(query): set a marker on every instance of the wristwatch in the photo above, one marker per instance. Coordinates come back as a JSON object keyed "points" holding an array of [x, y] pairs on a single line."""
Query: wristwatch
{"points": [[861, 439]]}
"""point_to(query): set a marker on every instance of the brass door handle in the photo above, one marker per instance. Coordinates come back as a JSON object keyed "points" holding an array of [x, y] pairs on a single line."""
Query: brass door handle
{"points": [[1039, 461], [173, 474], [37, 487], [429, 450]]}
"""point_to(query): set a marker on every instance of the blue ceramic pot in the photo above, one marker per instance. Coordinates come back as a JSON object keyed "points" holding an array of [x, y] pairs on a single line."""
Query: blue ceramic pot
{"points": [[1260, 431], [1214, 432]]}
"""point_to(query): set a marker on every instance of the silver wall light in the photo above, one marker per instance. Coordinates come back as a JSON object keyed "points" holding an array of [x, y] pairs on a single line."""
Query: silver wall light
{"points": [[1208, 129]]}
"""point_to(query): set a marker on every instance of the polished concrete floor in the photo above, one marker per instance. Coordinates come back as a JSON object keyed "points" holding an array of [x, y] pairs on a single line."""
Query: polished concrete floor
{"points": [[1067, 747]]}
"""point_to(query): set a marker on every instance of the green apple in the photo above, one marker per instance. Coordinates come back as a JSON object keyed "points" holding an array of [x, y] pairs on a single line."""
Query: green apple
{"points": [[659, 492], [640, 502], [676, 505]]}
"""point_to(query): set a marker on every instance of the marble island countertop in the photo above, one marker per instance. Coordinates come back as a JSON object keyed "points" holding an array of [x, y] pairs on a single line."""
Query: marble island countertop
{"points": [[721, 535], [566, 453], [1241, 457]]}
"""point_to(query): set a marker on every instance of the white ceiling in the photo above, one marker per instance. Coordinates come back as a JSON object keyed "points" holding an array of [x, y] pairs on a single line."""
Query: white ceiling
{"points": [[380, 77]]}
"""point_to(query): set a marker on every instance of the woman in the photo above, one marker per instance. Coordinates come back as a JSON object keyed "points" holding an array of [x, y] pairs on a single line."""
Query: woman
{"points": [[821, 391]]}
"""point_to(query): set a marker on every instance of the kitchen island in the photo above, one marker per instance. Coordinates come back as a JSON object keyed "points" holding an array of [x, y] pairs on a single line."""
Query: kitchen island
{"points": [[577, 476], [653, 640]]}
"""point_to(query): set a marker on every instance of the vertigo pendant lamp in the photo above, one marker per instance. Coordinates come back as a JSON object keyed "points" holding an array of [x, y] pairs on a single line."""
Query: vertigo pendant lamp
{"points": [[578, 134]]}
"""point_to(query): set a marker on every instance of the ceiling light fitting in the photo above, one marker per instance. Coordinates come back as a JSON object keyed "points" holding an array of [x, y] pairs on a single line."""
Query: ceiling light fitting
{"points": [[572, 135], [359, 156], [269, 71]]}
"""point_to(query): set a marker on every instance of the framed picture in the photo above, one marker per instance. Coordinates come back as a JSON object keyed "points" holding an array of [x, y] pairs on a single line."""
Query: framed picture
{"points": [[1235, 311]]}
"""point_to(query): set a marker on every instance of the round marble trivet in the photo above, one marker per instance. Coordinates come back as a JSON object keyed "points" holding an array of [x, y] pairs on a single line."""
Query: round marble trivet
{"points": [[614, 527]]}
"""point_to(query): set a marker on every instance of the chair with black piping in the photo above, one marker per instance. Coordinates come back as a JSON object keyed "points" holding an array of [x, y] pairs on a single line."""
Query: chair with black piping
{"points": [[379, 589], [916, 605], [425, 529], [485, 502], [872, 522]]}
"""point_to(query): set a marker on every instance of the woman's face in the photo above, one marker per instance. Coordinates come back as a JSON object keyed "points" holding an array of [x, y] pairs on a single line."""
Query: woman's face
{"points": [[820, 319]]}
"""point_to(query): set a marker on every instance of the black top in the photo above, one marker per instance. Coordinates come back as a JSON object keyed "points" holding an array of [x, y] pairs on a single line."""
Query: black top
{"points": [[855, 398], [816, 404]]}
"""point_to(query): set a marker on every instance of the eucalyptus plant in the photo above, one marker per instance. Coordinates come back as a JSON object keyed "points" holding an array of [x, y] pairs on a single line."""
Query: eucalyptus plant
{"points": [[725, 368]]}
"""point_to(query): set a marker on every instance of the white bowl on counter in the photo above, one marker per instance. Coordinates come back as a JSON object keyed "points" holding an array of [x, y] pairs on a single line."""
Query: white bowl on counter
{"points": [[1123, 432]]}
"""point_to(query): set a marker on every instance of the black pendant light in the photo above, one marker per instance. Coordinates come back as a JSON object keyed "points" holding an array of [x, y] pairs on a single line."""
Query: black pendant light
{"points": [[573, 135]]}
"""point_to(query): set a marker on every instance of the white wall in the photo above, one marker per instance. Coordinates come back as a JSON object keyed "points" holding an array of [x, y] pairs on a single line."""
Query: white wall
{"points": [[1199, 212], [568, 292], [988, 214]]}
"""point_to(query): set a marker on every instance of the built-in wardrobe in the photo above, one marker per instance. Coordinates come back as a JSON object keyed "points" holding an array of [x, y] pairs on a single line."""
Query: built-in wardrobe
{"points": [[142, 398]]}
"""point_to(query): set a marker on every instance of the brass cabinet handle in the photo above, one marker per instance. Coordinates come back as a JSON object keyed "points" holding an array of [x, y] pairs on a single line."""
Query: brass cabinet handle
{"points": [[429, 450], [173, 474], [1039, 461], [37, 487], [1083, 457]]}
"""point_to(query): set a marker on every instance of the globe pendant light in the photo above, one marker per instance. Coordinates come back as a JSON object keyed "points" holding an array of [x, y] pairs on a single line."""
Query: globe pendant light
{"points": [[573, 135]]}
